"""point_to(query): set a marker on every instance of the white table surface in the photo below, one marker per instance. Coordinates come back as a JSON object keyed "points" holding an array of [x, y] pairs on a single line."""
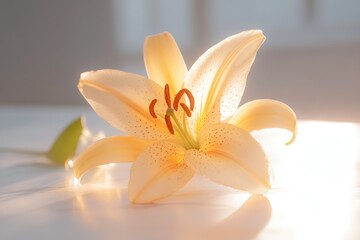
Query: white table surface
{"points": [[315, 195]]}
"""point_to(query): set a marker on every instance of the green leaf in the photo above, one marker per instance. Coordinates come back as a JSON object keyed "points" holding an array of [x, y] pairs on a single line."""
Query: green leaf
{"points": [[64, 147]]}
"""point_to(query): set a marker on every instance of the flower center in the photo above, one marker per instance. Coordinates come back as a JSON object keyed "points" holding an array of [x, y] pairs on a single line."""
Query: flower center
{"points": [[176, 127]]}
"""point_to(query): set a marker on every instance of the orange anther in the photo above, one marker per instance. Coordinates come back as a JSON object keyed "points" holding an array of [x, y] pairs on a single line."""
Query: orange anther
{"points": [[169, 124], [186, 109], [167, 95], [180, 94], [152, 108]]}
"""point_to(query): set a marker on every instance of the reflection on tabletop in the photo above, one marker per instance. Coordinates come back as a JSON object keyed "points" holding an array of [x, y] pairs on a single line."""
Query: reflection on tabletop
{"points": [[315, 195]]}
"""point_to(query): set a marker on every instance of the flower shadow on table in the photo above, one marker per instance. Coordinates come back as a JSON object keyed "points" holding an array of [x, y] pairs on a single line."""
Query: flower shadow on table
{"points": [[245, 223], [187, 220]]}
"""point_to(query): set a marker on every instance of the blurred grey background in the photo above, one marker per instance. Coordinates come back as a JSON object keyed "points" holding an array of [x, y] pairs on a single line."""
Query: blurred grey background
{"points": [[311, 59]]}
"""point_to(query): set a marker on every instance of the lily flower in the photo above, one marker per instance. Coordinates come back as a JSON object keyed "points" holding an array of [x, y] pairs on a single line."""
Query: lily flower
{"points": [[179, 122]]}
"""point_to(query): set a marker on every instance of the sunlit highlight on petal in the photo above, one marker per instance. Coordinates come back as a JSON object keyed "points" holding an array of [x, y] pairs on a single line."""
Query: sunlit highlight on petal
{"points": [[265, 113], [218, 78], [164, 62], [109, 150]]}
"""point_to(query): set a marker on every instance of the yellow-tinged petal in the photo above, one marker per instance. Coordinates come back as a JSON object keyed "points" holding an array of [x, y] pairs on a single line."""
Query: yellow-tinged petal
{"points": [[217, 79], [230, 156], [109, 150], [164, 62], [158, 171], [123, 99], [265, 113]]}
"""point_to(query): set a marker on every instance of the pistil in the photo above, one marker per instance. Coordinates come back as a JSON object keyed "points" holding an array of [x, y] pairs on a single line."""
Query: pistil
{"points": [[182, 131]]}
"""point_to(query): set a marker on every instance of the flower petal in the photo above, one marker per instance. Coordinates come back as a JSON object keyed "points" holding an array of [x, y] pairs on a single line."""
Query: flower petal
{"points": [[217, 79], [164, 62], [123, 99], [265, 113], [158, 171], [230, 156], [109, 150]]}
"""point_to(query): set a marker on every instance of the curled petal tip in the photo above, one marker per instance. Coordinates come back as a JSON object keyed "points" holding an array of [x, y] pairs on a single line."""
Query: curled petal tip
{"points": [[265, 113], [85, 74], [293, 137], [259, 33], [158, 34]]}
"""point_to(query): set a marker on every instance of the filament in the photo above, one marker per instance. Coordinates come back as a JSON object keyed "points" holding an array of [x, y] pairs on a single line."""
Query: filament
{"points": [[169, 124], [167, 95]]}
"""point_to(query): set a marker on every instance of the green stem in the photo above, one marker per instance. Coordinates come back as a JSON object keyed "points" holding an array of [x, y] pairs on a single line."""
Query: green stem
{"points": [[23, 151]]}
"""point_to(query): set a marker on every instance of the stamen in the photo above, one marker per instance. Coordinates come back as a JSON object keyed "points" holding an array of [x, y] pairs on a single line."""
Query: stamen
{"points": [[186, 109], [169, 124], [180, 94], [167, 95], [152, 108]]}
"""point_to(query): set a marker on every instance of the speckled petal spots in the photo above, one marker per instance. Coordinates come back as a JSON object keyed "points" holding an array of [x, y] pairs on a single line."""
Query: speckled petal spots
{"points": [[230, 156], [109, 150], [123, 99], [157, 172], [218, 78]]}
